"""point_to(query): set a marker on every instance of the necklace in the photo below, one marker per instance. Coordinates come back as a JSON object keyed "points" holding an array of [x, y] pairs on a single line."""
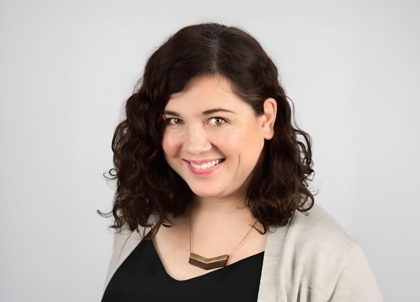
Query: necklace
{"points": [[214, 262]]}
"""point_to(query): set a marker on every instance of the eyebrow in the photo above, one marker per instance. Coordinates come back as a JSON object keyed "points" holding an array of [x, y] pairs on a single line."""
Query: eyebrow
{"points": [[207, 112]]}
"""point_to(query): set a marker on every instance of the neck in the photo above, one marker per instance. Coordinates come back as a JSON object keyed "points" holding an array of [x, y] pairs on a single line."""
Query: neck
{"points": [[213, 211], [217, 206]]}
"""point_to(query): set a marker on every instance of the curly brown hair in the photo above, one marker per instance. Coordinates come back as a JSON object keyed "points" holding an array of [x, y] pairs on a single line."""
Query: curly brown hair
{"points": [[147, 186]]}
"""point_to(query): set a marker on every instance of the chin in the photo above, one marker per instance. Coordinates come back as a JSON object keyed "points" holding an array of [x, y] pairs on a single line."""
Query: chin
{"points": [[205, 192]]}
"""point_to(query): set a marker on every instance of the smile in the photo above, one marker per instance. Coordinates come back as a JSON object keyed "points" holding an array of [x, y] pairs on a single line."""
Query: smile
{"points": [[207, 165]]}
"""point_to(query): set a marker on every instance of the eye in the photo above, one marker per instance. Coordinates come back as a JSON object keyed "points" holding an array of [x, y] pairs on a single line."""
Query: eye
{"points": [[217, 121], [173, 121]]}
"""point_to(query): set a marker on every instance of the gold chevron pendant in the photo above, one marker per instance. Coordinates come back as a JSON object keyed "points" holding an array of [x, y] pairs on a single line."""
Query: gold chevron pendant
{"points": [[208, 263]]}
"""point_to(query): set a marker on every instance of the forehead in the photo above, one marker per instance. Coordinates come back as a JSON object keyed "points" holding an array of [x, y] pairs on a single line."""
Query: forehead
{"points": [[205, 90]]}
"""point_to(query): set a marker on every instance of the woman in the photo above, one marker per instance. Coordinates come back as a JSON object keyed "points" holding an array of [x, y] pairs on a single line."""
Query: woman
{"points": [[212, 202]]}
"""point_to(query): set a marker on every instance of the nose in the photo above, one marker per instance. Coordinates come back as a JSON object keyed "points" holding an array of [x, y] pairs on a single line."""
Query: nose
{"points": [[196, 141]]}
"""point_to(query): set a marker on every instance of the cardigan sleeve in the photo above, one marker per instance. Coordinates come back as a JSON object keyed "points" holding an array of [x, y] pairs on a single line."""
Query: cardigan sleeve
{"points": [[356, 282]]}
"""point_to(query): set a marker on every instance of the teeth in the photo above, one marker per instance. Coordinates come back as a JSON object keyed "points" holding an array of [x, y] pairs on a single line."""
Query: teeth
{"points": [[206, 165]]}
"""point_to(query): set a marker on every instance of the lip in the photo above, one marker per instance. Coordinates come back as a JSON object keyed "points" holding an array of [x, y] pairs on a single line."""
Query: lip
{"points": [[205, 172]]}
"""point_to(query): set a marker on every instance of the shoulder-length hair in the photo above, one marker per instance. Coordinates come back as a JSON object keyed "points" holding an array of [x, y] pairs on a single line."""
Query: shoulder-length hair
{"points": [[147, 186]]}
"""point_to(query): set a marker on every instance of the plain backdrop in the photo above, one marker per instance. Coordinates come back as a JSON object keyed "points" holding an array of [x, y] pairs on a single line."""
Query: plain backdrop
{"points": [[352, 69]]}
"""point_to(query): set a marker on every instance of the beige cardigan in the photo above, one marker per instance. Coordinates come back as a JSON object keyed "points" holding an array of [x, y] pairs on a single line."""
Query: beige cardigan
{"points": [[312, 259]]}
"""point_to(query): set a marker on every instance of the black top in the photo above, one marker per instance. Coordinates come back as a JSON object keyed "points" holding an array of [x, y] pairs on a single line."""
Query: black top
{"points": [[142, 277]]}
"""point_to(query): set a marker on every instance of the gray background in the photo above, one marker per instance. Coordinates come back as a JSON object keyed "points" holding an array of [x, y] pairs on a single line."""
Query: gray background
{"points": [[351, 67]]}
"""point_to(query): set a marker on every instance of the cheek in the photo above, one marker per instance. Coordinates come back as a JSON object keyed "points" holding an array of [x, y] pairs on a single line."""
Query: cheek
{"points": [[168, 144], [246, 141], [249, 147]]}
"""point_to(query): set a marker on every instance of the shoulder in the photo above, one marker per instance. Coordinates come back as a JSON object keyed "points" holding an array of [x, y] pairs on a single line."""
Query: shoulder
{"points": [[122, 235], [318, 229], [319, 253], [316, 239]]}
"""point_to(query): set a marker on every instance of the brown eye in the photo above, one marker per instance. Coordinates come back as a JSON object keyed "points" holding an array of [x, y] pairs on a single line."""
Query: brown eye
{"points": [[173, 121], [217, 121]]}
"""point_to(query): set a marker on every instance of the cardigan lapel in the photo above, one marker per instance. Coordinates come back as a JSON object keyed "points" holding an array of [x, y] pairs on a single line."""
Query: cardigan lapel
{"points": [[272, 287], [132, 241], [124, 243], [269, 283]]}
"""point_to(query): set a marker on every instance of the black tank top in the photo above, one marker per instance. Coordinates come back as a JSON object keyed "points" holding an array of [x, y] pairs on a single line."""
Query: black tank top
{"points": [[142, 277]]}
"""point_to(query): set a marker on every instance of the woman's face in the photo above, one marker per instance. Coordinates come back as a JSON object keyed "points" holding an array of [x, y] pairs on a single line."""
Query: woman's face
{"points": [[213, 139]]}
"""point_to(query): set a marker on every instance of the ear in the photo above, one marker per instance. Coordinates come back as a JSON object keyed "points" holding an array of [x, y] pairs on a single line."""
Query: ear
{"points": [[268, 118]]}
